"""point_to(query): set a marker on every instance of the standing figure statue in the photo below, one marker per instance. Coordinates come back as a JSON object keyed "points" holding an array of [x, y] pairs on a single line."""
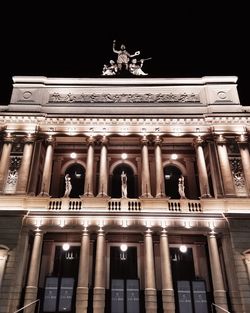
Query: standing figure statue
{"points": [[181, 188], [68, 186], [123, 56], [124, 184]]}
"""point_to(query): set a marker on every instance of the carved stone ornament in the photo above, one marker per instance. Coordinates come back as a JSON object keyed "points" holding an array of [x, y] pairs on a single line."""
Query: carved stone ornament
{"points": [[123, 98], [238, 176]]}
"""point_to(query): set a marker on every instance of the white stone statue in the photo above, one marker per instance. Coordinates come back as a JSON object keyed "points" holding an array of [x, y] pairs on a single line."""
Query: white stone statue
{"points": [[135, 67], [124, 184], [123, 56], [68, 186], [111, 69], [181, 188]]}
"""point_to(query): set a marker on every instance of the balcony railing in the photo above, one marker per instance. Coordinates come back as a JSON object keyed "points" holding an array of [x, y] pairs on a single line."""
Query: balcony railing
{"points": [[136, 205]]}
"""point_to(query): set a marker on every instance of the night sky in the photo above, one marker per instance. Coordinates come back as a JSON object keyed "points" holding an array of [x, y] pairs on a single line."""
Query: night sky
{"points": [[68, 40]]}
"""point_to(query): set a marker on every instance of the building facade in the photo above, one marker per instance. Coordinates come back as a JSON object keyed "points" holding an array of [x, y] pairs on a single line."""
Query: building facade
{"points": [[125, 195]]}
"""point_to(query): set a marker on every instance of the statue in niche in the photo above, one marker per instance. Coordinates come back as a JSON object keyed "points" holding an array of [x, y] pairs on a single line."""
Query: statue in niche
{"points": [[181, 188], [124, 184], [68, 186]]}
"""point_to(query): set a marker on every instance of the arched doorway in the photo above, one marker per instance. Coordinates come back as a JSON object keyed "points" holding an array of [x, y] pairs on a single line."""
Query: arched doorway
{"points": [[172, 174], [77, 174], [116, 182]]}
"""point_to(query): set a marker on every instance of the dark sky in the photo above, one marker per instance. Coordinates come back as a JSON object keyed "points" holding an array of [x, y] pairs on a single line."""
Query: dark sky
{"points": [[68, 40]]}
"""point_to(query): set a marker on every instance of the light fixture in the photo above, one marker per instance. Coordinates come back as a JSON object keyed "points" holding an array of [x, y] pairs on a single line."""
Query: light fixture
{"points": [[66, 246], [124, 156], [174, 156], [73, 155], [123, 253], [183, 248]]}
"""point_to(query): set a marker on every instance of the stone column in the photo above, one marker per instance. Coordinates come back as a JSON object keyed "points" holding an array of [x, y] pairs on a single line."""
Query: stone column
{"points": [[159, 172], [247, 261], [23, 173], [32, 282], [103, 173], [32, 185], [166, 275], [145, 173], [89, 176], [245, 158], [150, 287], [226, 172], [4, 161], [56, 175], [47, 167], [220, 297], [192, 187], [202, 170], [82, 290], [100, 265], [234, 292]]}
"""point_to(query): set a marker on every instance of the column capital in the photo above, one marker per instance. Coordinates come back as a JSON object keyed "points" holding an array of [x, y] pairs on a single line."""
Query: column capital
{"points": [[50, 140], [198, 141], [91, 140], [164, 232], [212, 234], [220, 139], [8, 138], [144, 140], [104, 140], [30, 138], [242, 139], [158, 140]]}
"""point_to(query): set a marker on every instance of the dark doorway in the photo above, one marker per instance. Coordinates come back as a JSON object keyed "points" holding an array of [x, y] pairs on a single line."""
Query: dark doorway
{"points": [[172, 175], [123, 266], [77, 175], [182, 264], [116, 182]]}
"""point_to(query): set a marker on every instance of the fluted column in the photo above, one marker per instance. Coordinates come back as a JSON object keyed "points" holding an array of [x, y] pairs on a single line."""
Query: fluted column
{"points": [[202, 170], [159, 175], [100, 265], [103, 173], [83, 275], [226, 172], [166, 275], [89, 176], [145, 173], [47, 168], [245, 158], [23, 173], [150, 287], [32, 282], [4, 161], [220, 297]]}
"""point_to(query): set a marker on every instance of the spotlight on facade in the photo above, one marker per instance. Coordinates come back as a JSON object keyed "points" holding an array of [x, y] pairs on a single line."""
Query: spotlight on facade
{"points": [[124, 156], [183, 248], [174, 156], [65, 246], [73, 155]]}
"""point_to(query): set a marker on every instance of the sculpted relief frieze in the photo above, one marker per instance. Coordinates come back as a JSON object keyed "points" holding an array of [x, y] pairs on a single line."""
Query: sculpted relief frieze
{"points": [[123, 98]]}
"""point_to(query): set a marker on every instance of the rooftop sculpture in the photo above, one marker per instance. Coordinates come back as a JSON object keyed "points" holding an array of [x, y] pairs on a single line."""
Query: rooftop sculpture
{"points": [[125, 62]]}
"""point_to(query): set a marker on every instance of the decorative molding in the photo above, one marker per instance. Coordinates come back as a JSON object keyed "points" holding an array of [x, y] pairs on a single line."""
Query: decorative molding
{"points": [[123, 98]]}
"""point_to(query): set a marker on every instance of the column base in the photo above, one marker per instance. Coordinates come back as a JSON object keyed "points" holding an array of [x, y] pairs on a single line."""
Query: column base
{"points": [[102, 195], [82, 294], [44, 194], [161, 195], [150, 300], [168, 301], [30, 296], [220, 299], [205, 196], [98, 300], [87, 195], [146, 195]]}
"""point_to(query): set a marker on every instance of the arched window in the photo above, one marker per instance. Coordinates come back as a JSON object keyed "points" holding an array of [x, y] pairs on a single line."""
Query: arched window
{"points": [[77, 174], [172, 175], [116, 182]]}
